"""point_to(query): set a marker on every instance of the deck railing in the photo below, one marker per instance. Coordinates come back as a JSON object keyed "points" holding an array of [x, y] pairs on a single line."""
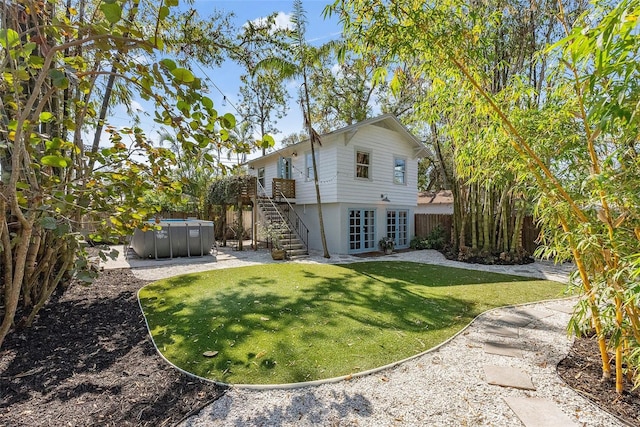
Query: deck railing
{"points": [[285, 187]]}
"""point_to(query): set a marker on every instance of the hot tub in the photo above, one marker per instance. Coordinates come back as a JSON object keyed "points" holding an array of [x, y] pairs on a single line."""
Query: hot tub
{"points": [[175, 238]]}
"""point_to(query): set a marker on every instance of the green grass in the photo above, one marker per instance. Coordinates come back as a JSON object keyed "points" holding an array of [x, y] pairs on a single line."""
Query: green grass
{"points": [[283, 323]]}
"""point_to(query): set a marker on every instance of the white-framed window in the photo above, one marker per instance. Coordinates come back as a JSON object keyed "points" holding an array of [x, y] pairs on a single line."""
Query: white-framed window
{"points": [[399, 170], [308, 165], [284, 167], [363, 164], [261, 176]]}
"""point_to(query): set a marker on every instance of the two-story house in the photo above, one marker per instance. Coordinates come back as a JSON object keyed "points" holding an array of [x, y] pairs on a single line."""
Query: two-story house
{"points": [[367, 176]]}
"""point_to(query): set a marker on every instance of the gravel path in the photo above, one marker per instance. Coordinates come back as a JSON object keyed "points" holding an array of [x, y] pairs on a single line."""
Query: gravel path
{"points": [[443, 387]]}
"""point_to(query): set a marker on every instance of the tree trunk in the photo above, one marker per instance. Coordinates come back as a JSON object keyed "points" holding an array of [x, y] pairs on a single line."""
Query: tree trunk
{"points": [[516, 237], [240, 231], [314, 139], [223, 219], [446, 179], [487, 214], [107, 94], [474, 215], [13, 286]]}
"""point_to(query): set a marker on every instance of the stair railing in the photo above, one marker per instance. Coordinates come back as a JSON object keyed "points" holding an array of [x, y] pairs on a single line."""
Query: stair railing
{"points": [[285, 232], [294, 220]]}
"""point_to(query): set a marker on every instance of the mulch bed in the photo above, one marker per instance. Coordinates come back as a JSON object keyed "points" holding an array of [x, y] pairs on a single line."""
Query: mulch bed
{"points": [[88, 360], [582, 370]]}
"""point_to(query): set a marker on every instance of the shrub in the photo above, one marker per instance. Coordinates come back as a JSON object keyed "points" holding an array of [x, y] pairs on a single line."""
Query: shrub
{"points": [[434, 240]]}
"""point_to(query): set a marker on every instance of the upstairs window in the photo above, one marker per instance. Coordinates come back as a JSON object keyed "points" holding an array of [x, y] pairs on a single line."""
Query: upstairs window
{"points": [[284, 167], [261, 176], [399, 171], [363, 164], [308, 171]]}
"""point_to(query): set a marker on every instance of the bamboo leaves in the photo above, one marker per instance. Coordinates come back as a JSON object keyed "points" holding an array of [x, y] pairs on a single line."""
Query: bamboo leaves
{"points": [[573, 125]]}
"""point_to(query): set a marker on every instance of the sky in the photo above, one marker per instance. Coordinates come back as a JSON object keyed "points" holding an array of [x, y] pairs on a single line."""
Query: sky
{"points": [[225, 80]]}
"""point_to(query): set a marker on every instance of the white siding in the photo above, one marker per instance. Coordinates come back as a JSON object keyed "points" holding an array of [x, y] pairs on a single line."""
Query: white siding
{"points": [[341, 190], [327, 176], [384, 145], [270, 165], [331, 215]]}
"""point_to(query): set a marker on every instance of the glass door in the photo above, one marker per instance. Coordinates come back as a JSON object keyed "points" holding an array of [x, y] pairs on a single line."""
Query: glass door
{"points": [[398, 227], [362, 230]]}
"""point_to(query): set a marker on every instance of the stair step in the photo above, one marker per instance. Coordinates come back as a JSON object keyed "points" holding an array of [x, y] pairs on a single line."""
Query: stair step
{"points": [[293, 247], [288, 239], [297, 253]]}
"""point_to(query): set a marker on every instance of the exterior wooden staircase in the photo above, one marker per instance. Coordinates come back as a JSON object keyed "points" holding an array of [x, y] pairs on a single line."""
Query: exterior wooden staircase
{"points": [[282, 218]]}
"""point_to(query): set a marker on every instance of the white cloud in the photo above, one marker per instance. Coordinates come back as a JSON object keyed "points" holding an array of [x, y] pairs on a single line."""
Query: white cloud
{"points": [[282, 22]]}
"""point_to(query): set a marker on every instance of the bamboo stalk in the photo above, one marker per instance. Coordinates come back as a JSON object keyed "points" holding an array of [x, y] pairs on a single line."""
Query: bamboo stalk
{"points": [[595, 312], [619, 374]]}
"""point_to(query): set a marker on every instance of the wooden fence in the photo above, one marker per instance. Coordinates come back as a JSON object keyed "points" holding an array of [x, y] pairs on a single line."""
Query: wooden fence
{"points": [[232, 218], [424, 223]]}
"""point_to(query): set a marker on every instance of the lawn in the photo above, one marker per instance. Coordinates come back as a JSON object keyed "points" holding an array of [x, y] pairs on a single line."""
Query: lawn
{"points": [[284, 323]]}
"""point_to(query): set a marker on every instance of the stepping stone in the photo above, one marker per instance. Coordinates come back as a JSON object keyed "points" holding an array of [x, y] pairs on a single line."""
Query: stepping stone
{"points": [[501, 331], [503, 349], [515, 320], [535, 412], [506, 376]]}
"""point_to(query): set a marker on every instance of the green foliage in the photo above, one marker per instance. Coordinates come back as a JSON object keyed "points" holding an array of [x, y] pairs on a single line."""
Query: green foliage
{"points": [[436, 239], [386, 244], [229, 190], [263, 92], [343, 97], [55, 192], [541, 119], [271, 324]]}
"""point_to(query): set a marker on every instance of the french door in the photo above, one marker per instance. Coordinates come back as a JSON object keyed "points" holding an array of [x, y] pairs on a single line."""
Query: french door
{"points": [[398, 227], [362, 230]]}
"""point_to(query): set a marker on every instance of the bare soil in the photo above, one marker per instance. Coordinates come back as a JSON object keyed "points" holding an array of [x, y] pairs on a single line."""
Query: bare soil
{"points": [[582, 370], [88, 360]]}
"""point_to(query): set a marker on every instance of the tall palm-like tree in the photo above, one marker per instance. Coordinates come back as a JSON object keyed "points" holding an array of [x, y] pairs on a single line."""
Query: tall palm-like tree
{"points": [[193, 171], [303, 57]]}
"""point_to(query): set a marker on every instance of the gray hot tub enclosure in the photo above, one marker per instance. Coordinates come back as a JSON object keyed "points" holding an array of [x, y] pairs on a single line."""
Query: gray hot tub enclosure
{"points": [[175, 238]]}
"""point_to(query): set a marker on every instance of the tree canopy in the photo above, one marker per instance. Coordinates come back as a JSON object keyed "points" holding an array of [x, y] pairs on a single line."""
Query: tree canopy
{"points": [[57, 192], [562, 125]]}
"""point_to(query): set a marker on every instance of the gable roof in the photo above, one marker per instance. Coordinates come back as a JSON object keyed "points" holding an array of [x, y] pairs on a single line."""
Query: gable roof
{"points": [[387, 121]]}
